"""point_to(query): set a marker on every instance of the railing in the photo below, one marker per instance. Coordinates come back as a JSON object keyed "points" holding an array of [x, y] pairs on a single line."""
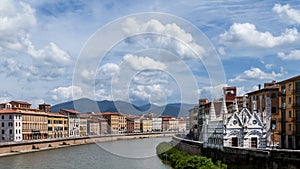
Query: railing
{"points": [[282, 106], [282, 93]]}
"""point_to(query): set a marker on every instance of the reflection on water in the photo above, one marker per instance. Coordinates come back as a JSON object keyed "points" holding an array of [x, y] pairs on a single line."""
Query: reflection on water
{"points": [[124, 154]]}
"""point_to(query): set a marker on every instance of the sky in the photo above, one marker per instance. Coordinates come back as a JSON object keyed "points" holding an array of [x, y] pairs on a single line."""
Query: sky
{"points": [[144, 51]]}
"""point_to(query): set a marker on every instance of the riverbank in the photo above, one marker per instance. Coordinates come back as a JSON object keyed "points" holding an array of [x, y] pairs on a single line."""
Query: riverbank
{"points": [[178, 159], [16, 148]]}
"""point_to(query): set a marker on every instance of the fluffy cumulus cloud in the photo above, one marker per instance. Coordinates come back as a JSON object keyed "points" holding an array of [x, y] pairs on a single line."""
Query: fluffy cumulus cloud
{"points": [[23, 59], [247, 34], [16, 18], [293, 55], [287, 13], [211, 92], [66, 93], [143, 62], [164, 36], [255, 73], [108, 70], [51, 54]]}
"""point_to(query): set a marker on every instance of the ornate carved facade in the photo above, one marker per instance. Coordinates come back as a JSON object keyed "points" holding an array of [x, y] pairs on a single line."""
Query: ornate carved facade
{"points": [[239, 128]]}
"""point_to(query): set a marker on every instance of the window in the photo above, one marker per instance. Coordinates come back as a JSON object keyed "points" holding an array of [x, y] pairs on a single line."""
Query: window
{"points": [[273, 95], [3, 132], [2, 116], [10, 131], [273, 110], [297, 86], [290, 100], [10, 116], [283, 89], [290, 114], [2, 124], [290, 127], [290, 87]]}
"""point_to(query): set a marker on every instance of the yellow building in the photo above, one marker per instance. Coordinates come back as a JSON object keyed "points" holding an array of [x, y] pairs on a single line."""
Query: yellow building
{"points": [[112, 119], [83, 125], [34, 124], [122, 123], [57, 125], [289, 112], [146, 125]]}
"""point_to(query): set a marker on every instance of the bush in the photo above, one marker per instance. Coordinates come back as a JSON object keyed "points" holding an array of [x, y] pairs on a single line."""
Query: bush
{"points": [[182, 160]]}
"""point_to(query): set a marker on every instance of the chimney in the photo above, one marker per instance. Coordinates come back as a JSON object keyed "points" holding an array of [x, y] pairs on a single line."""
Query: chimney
{"points": [[259, 86]]}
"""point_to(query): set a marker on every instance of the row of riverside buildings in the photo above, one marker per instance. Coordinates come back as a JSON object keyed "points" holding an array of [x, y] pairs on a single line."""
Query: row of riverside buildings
{"points": [[267, 117], [19, 121]]}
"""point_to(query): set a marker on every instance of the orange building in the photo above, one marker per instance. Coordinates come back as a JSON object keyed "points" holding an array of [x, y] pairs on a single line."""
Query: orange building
{"points": [[289, 112]]}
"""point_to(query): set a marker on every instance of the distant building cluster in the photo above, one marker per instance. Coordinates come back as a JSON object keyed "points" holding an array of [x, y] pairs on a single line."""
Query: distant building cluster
{"points": [[267, 117], [19, 121]]}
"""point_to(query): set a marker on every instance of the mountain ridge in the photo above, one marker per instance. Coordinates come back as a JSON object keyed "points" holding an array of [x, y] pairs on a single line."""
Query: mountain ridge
{"points": [[84, 105]]}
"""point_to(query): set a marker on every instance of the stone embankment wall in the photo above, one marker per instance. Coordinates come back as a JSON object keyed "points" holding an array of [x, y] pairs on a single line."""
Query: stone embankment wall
{"points": [[38, 145], [237, 158]]}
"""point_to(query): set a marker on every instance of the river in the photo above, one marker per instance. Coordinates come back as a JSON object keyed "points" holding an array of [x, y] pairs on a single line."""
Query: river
{"points": [[121, 154]]}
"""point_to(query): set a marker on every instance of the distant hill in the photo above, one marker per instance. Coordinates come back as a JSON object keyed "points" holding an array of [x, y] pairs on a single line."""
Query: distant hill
{"points": [[85, 105]]}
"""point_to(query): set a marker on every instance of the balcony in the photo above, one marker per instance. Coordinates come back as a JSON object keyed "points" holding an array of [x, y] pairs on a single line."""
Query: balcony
{"points": [[282, 106], [282, 93]]}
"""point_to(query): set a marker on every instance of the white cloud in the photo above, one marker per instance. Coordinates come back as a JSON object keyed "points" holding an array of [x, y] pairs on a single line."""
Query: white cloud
{"points": [[247, 34], [51, 54], [15, 19], [5, 97], [63, 93], [163, 36], [108, 70], [23, 60], [36, 102], [293, 55], [287, 13], [211, 92], [241, 91], [102, 94], [143, 62], [257, 74], [269, 66]]}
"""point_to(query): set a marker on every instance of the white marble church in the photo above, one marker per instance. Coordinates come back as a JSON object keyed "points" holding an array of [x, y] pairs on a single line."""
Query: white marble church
{"points": [[239, 128]]}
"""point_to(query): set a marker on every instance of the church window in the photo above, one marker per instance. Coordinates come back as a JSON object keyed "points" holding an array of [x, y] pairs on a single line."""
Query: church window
{"points": [[254, 121]]}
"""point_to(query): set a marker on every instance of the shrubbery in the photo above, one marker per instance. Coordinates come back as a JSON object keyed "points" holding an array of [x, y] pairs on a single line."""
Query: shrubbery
{"points": [[182, 160]]}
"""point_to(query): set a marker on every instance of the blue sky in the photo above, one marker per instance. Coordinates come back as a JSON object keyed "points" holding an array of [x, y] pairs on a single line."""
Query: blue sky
{"points": [[46, 56]]}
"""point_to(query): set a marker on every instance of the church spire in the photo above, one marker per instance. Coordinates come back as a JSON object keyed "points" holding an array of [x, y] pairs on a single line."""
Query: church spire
{"points": [[223, 108], [235, 106], [244, 102], [212, 112]]}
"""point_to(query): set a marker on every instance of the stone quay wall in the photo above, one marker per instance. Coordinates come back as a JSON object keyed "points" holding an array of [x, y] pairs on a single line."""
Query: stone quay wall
{"points": [[237, 158]]}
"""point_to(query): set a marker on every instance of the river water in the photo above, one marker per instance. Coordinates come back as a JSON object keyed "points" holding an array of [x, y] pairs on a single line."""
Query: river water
{"points": [[121, 154]]}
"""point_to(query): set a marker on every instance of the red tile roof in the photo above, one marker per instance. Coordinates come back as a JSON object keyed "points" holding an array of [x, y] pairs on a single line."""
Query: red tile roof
{"points": [[70, 111], [20, 102]]}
